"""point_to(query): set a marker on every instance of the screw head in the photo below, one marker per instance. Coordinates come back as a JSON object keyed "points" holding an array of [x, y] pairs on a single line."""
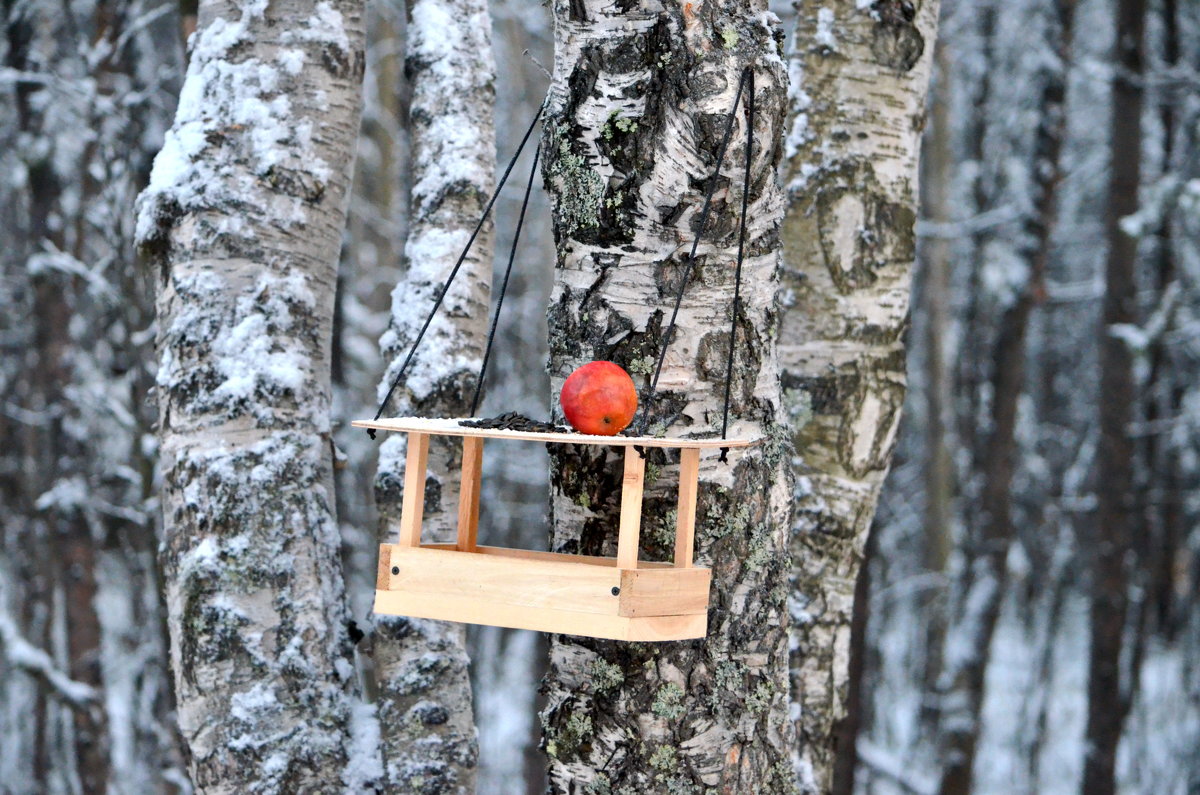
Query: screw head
{"points": [[616, 591], [395, 569]]}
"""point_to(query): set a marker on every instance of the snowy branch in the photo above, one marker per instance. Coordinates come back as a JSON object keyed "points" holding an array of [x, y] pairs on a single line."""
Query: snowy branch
{"points": [[882, 763], [29, 658], [927, 228], [1140, 338]]}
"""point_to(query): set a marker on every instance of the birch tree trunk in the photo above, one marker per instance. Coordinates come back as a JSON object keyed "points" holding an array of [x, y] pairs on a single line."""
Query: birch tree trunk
{"points": [[640, 98], [859, 76], [242, 224], [84, 692], [421, 666]]}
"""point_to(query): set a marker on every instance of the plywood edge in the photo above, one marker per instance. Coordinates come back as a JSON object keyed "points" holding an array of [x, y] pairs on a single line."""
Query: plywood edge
{"points": [[383, 577], [451, 427], [612, 627]]}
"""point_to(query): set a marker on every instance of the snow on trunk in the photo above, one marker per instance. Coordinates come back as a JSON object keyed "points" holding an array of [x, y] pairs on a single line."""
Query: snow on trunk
{"points": [[420, 665], [242, 223], [640, 98], [859, 76]]}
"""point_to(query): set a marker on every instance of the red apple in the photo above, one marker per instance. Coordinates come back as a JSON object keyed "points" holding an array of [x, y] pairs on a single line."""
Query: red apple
{"points": [[599, 398]]}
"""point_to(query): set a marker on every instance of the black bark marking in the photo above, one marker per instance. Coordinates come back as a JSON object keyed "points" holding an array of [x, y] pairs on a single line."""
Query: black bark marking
{"points": [[895, 41], [886, 235]]}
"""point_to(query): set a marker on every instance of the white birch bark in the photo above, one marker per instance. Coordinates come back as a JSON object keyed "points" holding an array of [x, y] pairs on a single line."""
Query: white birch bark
{"points": [[424, 688], [242, 224], [641, 95], [859, 76]]}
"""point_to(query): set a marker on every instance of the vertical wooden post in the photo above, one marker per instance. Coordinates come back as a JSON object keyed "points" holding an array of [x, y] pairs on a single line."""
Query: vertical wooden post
{"points": [[414, 489], [468, 499], [631, 509], [685, 513]]}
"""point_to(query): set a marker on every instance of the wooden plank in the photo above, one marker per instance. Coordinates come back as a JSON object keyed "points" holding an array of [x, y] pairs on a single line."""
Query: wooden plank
{"points": [[535, 554], [413, 507], [497, 614], [664, 592], [685, 512], [437, 574], [450, 427], [384, 574], [468, 498], [629, 533]]}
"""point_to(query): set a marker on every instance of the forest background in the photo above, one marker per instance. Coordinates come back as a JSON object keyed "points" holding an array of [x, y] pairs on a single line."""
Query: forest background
{"points": [[989, 591]]}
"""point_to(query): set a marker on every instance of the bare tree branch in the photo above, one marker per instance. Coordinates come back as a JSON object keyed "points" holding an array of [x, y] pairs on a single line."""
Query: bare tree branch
{"points": [[22, 654]]}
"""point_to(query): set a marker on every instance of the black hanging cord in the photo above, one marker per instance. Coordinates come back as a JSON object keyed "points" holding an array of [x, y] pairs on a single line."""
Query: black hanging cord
{"points": [[512, 254], [737, 279], [747, 79], [461, 258]]}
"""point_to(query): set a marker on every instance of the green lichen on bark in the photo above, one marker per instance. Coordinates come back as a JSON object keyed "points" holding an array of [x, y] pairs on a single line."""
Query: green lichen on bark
{"points": [[668, 702], [579, 190], [567, 741], [605, 675], [663, 759]]}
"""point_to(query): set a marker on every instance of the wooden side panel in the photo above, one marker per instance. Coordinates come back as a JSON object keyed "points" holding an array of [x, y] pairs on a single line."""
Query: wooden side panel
{"points": [[664, 592], [383, 577], [468, 500], [629, 534], [475, 611], [413, 508], [508, 583], [685, 523]]}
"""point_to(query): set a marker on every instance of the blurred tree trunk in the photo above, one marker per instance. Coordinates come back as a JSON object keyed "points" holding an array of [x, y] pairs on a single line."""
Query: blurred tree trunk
{"points": [[639, 102], [849, 243], [846, 738], [983, 586], [84, 691], [421, 666], [937, 186], [1164, 519], [970, 371], [1111, 684], [242, 223], [507, 665]]}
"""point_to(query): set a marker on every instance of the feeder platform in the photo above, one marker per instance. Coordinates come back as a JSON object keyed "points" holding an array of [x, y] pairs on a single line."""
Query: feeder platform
{"points": [[620, 598]]}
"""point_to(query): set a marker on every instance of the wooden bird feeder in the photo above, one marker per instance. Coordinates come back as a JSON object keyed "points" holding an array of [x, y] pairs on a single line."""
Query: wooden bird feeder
{"points": [[621, 598]]}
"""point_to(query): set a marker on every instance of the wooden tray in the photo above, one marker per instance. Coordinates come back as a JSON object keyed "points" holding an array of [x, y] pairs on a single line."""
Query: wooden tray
{"points": [[620, 598]]}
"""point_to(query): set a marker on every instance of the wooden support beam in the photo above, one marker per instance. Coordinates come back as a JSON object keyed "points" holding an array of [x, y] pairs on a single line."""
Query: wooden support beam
{"points": [[631, 509], [413, 507], [468, 498], [685, 513]]}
